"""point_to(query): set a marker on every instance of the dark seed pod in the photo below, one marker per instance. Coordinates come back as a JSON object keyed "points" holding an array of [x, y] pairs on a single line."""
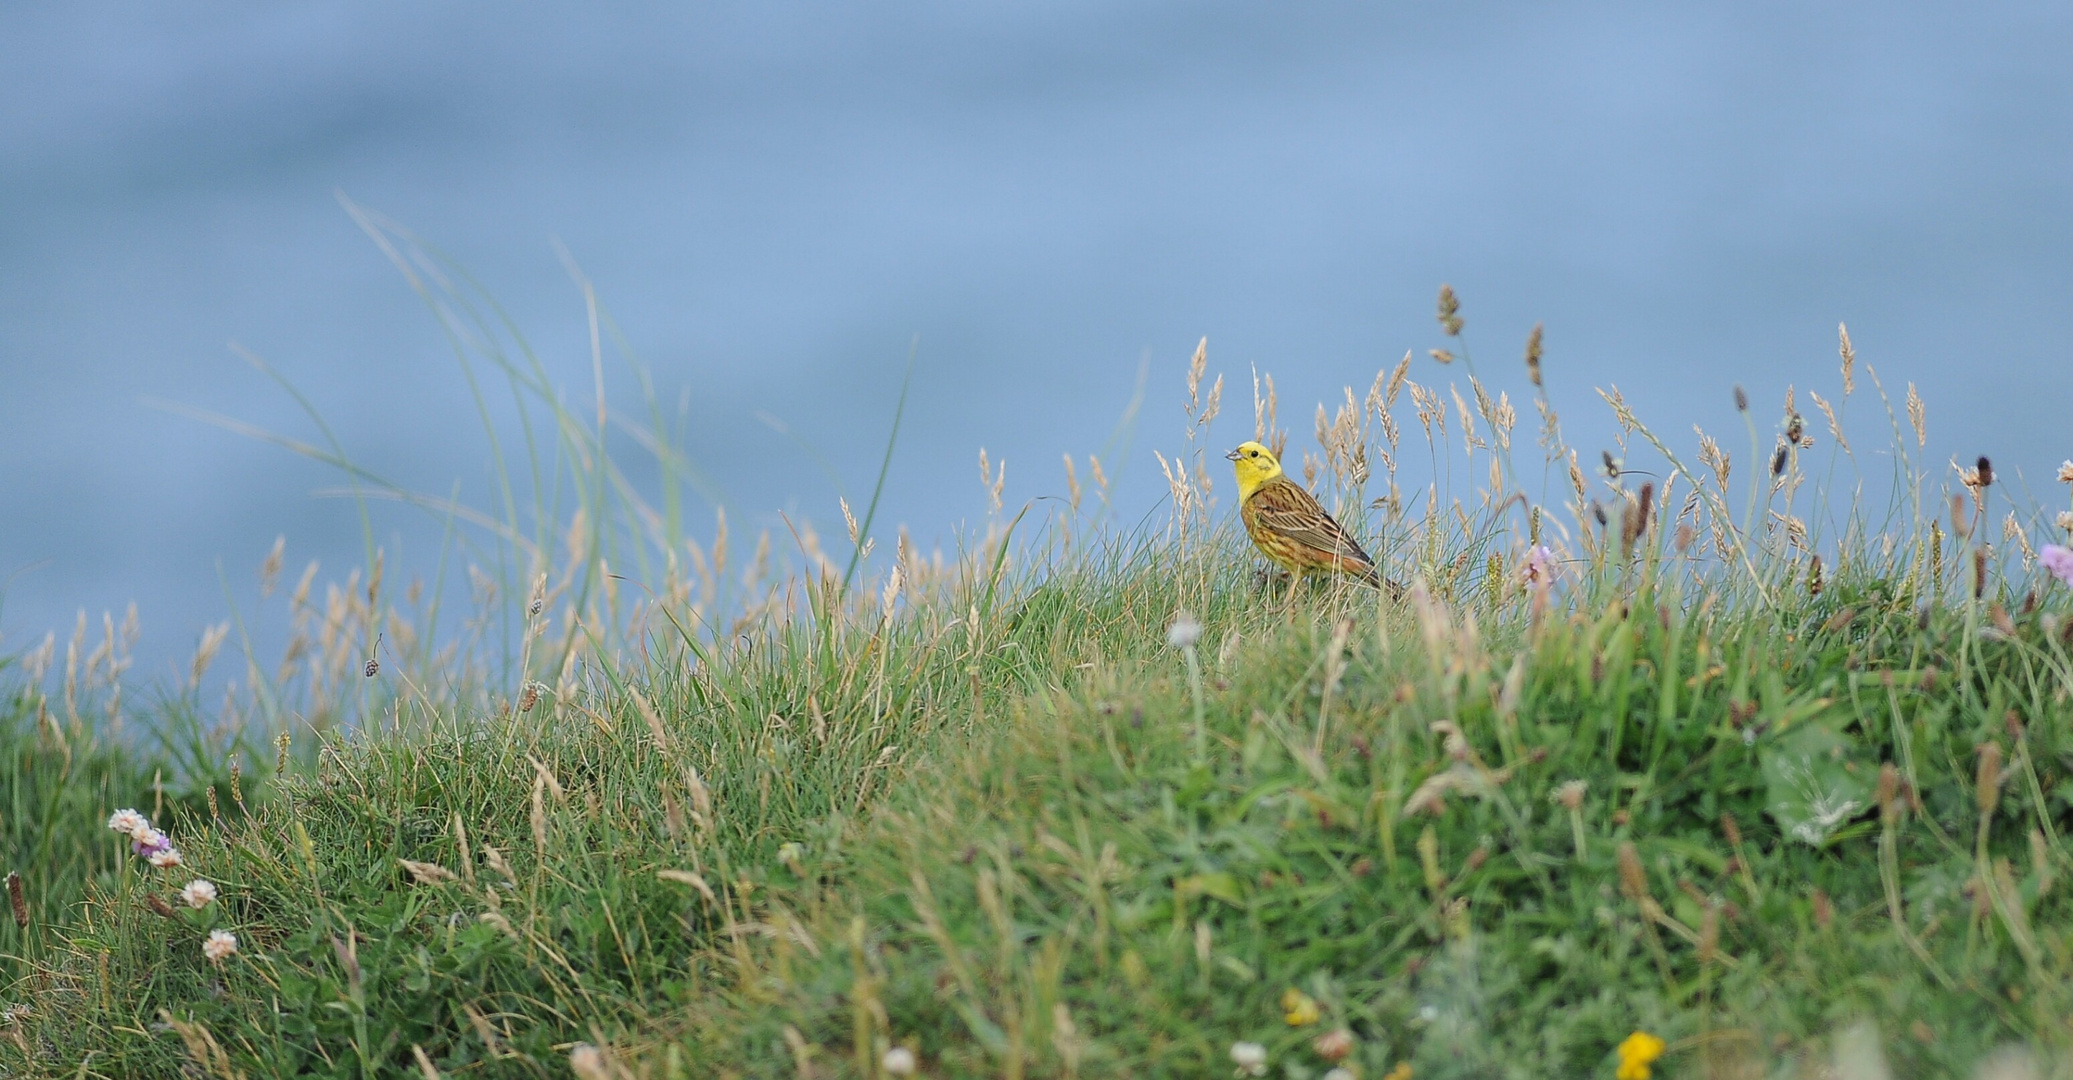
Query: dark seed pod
{"points": [[1741, 400], [1986, 472]]}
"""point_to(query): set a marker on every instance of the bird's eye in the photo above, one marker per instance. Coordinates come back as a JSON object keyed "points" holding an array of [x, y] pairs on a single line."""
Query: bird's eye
{"points": [[1252, 453]]}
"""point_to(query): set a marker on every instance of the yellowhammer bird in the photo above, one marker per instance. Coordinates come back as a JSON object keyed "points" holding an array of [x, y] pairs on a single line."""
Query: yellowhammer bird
{"points": [[1289, 526]]}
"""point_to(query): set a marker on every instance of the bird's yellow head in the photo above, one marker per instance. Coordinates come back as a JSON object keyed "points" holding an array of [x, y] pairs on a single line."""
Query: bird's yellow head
{"points": [[1256, 465]]}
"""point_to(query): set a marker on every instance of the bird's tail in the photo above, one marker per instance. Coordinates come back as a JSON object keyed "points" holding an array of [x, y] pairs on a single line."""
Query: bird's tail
{"points": [[1374, 577]]}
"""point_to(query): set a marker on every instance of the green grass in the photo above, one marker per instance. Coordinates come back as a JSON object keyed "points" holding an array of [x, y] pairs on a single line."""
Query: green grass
{"points": [[1044, 878], [749, 821]]}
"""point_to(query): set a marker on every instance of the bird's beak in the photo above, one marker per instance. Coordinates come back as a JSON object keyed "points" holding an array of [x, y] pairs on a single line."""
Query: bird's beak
{"points": [[1232, 456]]}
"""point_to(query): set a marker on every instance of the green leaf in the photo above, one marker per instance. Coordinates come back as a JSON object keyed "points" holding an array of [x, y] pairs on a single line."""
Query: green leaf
{"points": [[1221, 886], [1813, 784]]}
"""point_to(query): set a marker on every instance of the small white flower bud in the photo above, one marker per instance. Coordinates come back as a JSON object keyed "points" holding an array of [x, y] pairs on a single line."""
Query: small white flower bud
{"points": [[1184, 632]]}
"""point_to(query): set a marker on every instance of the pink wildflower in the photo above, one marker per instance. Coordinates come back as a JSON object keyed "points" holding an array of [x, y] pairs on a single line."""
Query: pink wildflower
{"points": [[1540, 568], [2058, 560]]}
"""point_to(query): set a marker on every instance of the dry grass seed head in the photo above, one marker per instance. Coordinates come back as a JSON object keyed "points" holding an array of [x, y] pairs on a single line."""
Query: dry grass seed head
{"points": [[1397, 378], [1633, 880], [1198, 365], [270, 568], [1550, 425], [2011, 529], [1987, 781], [1533, 354], [1835, 427], [1849, 355], [1468, 422], [1259, 410]]}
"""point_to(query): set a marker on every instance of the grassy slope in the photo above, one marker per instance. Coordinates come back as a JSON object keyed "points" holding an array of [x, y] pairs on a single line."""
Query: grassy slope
{"points": [[1001, 849], [988, 829]]}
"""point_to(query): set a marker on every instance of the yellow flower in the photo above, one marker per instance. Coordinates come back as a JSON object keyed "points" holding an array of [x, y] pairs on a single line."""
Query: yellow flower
{"points": [[1637, 1053], [1300, 1009], [1401, 1072]]}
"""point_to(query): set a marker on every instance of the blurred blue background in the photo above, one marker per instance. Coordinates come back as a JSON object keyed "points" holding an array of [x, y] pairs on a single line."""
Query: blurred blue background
{"points": [[776, 199]]}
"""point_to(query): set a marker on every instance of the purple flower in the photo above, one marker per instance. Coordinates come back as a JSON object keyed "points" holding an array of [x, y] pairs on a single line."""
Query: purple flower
{"points": [[1539, 568], [2058, 560], [147, 842]]}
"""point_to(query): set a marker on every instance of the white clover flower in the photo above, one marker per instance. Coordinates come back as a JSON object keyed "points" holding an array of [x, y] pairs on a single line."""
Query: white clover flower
{"points": [[147, 839], [198, 893], [128, 822], [898, 1061], [2066, 472], [1184, 632], [2065, 520], [220, 945], [1250, 1057], [165, 858]]}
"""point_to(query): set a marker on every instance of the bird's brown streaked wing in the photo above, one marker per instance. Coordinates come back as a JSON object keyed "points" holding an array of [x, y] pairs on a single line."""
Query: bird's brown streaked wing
{"points": [[1286, 509]]}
